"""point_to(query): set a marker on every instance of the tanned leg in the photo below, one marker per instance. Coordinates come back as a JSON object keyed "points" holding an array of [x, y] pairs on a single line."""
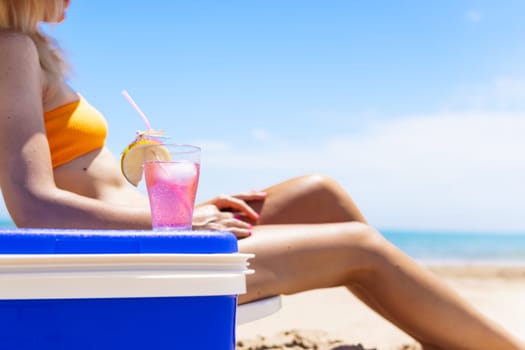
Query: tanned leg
{"points": [[295, 258], [291, 258], [310, 199]]}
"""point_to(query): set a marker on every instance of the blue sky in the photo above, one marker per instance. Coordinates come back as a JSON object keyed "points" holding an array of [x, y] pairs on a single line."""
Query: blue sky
{"points": [[416, 107]]}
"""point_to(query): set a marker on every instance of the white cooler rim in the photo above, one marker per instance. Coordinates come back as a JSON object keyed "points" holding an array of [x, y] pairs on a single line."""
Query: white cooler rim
{"points": [[80, 276]]}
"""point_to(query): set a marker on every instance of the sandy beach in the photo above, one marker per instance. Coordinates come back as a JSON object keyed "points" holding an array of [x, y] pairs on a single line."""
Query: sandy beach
{"points": [[332, 319]]}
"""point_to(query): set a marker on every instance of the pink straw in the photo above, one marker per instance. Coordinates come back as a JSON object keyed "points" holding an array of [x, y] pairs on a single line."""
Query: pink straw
{"points": [[139, 111]]}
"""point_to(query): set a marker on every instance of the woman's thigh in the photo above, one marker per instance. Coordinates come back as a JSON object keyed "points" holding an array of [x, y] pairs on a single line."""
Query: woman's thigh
{"points": [[309, 199], [294, 258]]}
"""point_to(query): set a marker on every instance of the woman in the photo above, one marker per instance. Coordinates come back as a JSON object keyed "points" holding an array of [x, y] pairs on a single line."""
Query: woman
{"points": [[306, 233]]}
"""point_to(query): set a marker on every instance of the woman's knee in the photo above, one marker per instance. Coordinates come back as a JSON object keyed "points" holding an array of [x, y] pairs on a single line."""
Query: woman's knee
{"points": [[330, 198], [308, 199], [365, 245], [319, 184], [362, 235]]}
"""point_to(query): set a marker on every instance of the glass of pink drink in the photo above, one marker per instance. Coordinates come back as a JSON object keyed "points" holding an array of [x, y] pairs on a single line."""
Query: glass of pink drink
{"points": [[172, 183]]}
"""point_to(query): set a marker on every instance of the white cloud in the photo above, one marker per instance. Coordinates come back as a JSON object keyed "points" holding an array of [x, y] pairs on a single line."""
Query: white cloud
{"points": [[260, 134], [507, 88], [502, 93], [452, 171], [474, 16]]}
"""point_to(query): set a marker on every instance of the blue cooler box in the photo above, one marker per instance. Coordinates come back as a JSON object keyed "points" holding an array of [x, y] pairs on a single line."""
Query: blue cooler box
{"points": [[88, 289]]}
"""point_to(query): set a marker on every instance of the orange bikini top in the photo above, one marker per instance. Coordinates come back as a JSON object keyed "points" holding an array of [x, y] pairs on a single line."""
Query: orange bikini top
{"points": [[73, 130]]}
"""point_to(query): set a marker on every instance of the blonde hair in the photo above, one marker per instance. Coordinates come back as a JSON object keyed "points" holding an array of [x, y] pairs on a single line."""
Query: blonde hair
{"points": [[25, 16]]}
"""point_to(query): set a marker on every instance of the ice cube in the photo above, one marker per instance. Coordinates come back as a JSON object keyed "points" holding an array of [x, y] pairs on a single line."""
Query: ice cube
{"points": [[184, 171]]}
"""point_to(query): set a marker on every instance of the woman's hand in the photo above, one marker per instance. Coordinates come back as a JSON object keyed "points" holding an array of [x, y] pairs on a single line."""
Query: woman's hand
{"points": [[228, 213], [209, 217]]}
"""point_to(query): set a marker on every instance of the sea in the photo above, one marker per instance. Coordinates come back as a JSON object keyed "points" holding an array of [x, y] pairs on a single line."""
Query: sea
{"points": [[461, 248], [447, 248]]}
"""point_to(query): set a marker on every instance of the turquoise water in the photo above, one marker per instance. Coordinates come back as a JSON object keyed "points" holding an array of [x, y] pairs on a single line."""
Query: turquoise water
{"points": [[6, 223], [460, 247], [449, 247]]}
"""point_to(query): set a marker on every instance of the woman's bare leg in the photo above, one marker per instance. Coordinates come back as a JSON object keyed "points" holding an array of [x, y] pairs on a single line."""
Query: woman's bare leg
{"points": [[311, 199], [293, 258]]}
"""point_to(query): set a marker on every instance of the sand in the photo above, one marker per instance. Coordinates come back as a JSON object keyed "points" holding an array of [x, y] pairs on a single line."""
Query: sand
{"points": [[332, 319]]}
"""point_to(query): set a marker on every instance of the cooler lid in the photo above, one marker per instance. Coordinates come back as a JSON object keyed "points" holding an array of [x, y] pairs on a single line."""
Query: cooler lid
{"points": [[74, 241]]}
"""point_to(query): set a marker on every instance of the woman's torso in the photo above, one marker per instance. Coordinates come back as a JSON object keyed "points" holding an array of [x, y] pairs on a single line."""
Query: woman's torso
{"points": [[95, 174]]}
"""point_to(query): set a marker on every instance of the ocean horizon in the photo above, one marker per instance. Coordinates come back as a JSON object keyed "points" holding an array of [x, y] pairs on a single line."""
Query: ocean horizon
{"points": [[461, 248], [432, 247]]}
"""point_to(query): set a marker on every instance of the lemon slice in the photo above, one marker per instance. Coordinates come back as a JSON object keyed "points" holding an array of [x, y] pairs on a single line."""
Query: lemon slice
{"points": [[139, 152]]}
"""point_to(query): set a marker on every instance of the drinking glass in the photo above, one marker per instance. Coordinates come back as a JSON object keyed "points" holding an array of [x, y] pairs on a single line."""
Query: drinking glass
{"points": [[172, 176]]}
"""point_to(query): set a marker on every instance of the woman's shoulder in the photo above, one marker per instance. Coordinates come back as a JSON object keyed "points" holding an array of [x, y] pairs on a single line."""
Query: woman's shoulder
{"points": [[19, 61], [16, 46]]}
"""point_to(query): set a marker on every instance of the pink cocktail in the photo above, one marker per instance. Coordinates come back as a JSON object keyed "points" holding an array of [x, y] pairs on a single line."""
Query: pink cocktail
{"points": [[172, 188]]}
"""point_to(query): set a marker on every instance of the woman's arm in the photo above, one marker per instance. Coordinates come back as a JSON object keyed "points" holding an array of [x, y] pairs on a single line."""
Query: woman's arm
{"points": [[26, 174]]}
